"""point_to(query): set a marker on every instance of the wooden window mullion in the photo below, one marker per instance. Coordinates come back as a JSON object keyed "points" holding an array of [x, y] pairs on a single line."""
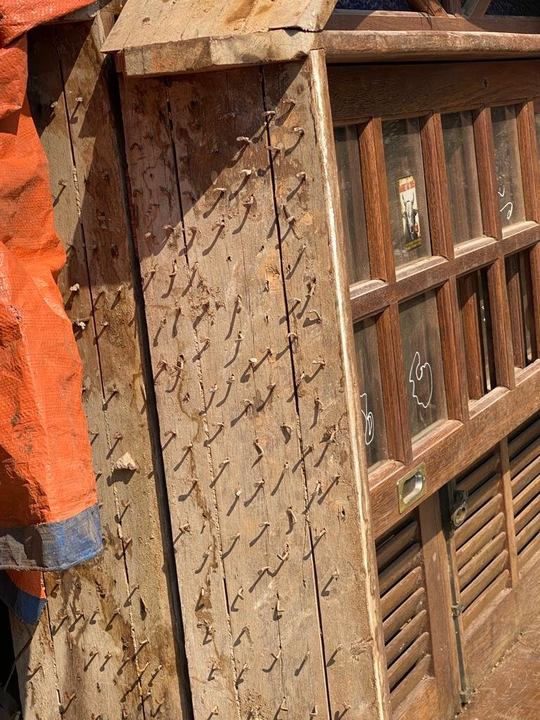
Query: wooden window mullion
{"points": [[452, 351], [487, 176], [506, 482], [515, 306], [529, 160], [437, 187], [501, 325], [534, 258], [391, 362], [472, 336], [376, 201]]}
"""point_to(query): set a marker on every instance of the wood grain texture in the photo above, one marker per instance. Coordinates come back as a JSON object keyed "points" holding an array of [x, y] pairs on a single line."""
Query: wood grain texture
{"points": [[429, 7], [301, 139], [149, 23], [112, 621], [405, 90]]}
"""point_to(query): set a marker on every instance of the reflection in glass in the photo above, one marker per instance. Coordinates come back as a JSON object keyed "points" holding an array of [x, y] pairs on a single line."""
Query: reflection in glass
{"points": [[507, 165], [371, 397], [463, 190], [352, 202], [406, 190], [422, 358]]}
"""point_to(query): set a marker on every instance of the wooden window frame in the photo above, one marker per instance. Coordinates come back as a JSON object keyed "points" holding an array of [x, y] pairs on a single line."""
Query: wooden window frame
{"points": [[364, 95]]}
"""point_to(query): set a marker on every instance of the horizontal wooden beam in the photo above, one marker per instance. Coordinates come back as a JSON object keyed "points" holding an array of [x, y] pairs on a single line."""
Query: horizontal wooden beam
{"points": [[385, 20], [340, 46]]}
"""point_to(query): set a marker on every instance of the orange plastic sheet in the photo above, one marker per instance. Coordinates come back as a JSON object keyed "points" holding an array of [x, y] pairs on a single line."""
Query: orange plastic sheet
{"points": [[48, 510]]}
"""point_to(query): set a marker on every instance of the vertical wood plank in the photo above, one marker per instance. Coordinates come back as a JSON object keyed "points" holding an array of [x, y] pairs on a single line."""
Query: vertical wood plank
{"points": [[501, 325], [38, 682], [506, 486], [534, 259], [513, 285], [185, 442], [391, 364], [487, 176], [113, 621], [240, 318], [468, 292], [301, 140], [439, 597], [437, 186], [381, 254], [455, 376], [530, 164]]}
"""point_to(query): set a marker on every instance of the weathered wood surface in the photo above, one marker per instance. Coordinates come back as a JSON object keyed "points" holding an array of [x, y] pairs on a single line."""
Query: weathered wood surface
{"points": [[254, 425], [275, 46], [113, 622], [146, 22], [309, 221]]}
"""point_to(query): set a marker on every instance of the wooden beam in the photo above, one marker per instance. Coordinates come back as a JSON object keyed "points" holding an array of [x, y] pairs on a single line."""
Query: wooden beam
{"points": [[476, 8], [430, 7], [404, 20], [340, 46]]}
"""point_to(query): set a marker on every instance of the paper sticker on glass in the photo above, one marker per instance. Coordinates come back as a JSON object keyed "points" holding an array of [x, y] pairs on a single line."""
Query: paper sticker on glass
{"points": [[406, 189], [409, 212]]}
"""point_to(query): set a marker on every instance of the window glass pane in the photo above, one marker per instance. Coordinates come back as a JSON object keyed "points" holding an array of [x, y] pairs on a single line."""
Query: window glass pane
{"points": [[463, 187], [510, 187], [352, 202], [423, 362], [406, 190], [371, 397], [475, 312]]}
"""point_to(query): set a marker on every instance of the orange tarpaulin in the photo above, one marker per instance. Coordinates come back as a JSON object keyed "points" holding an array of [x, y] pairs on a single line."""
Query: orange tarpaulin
{"points": [[48, 512]]}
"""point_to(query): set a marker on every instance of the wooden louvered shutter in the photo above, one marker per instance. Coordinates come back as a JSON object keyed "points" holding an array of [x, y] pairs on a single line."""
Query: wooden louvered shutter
{"points": [[415, 635], [524, 457], [480, 560]]}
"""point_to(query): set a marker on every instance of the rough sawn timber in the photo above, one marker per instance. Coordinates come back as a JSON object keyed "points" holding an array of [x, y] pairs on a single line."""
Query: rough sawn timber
{"points": [[311, 236], [108, 638], [146, 22]]}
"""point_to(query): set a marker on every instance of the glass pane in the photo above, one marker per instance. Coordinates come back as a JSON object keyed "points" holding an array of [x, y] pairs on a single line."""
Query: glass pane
{"points": [[463, 187], [371, 397], [406, 190], [422, 357], [475, 312], [352, 202], [510, 187]]}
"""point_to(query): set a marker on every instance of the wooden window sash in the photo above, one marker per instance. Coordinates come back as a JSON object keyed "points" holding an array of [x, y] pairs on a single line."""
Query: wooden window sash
{"points": [[389, 287]]}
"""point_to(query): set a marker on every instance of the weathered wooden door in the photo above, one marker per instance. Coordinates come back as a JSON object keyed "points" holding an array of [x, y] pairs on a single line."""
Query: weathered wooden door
{"points": [[438, 168]]}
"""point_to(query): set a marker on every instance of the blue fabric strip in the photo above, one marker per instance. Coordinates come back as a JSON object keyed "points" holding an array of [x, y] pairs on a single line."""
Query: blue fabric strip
{"points": [[52, 546], [28, 608]]}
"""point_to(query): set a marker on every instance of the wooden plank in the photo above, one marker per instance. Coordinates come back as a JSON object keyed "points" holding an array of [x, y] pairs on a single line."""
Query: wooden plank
{"points": [[143, 23], [403, 20], [38, 681], [301, 140], [409, 46], [113, 621], [49, 109], [530, 165], [439, 597], [158, 233], [356, 90], [375, 190], [239, 307]]}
